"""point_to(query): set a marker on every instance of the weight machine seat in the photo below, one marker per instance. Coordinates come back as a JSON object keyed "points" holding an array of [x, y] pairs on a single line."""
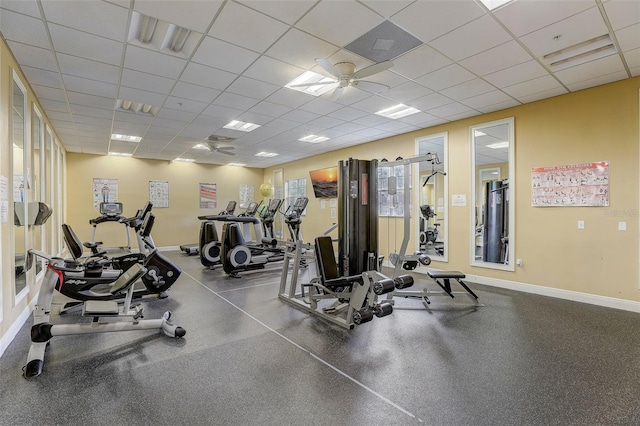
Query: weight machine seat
{"points": [[326, 258], [446, 274]]}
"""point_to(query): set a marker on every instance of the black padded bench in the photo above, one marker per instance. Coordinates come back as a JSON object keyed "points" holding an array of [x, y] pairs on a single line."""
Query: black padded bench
{"points": [[442, 279]]}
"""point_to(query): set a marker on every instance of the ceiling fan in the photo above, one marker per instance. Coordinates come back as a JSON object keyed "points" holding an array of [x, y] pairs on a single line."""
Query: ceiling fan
{"points": [[213, 145], [345, 74]]}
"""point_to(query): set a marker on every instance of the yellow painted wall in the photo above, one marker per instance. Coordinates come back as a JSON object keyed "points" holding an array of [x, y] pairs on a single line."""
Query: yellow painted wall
{"points": [[173, 226], [598, 124]]}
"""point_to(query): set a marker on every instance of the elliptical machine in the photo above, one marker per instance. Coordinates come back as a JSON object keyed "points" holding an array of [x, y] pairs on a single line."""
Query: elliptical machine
{"points": [[210, 246], [196, 248]]}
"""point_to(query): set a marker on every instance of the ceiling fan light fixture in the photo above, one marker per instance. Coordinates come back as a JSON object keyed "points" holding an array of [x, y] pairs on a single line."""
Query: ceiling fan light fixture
{"points": [[397, 111]]}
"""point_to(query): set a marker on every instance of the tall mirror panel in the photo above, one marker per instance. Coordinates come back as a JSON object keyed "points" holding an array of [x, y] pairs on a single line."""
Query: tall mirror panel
{"points": [[492, 213], [432, 196]]}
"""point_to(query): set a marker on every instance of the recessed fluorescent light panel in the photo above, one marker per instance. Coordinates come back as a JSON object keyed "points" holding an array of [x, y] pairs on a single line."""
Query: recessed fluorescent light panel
{"points": [[314, 139], [494, 4], [498, 145], [241, 125], [266, 154], [236, 164], [580, 53], [152, 33], [125, 138], [120, 154], [137, 107], [397, 111], [202, 147], [312, 83], [186, 160]]}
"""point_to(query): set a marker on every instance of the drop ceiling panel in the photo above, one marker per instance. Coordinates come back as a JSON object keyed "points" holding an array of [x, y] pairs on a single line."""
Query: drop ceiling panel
{"points": [[516, 74], [80, 67], [325, 122], [183, 108], [154, 63], [333, 21], [523, 17], [320, 106], [405, 92], [633, 58], [225, 56], [81, 15], [194, 92], [25, 7], [95, 121], [193, 14], [464, 42], [45, 92], [54, 105], [33, 56], [284, 10], [486, 99], [43, 77], [430, 101], [596, 81], [449, 110], [270, 109], [282, 124], [299, 48], [245, 27], [576, 29], [289, 98], [445, 77], [428, 20], [468, 89], [498, 58], [83, 99], [23, 29], [273, 71], [387, 8], [93, 112], [255, 118], [419, 61], [622, 13], [252, 88], [418, 119], [593, 69], [141, 96], [367, 121], [374, 104], [300, 116], [96, 48], [532, 86], [222, 112], [206, 76], [232, 100], [347, 114], [143, 81], [629, 37]]}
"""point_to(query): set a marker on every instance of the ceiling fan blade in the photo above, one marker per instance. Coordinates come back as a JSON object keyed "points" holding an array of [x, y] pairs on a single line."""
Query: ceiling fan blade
{"points": [[373, 69], [226, 152], [370, 86], [337, 93], [319, 83], [328, 67]]}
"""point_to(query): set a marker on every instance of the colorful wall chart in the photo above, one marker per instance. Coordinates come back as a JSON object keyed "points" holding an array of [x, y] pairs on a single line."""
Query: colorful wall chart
{"points": [[575, 185], [208, 196]]}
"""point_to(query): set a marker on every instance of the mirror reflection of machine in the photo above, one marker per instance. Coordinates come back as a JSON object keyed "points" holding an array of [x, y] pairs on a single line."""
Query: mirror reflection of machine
{"points": [[495, 227], [429, 230]]}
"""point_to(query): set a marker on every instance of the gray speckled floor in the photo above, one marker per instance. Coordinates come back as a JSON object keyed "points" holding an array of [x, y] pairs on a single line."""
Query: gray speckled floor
{"points": [[250, 359]]}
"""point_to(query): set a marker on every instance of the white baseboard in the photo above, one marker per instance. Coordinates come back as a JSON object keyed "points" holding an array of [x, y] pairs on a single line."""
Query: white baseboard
{"points": [[575, 296], [8, 337], [169, 248]]}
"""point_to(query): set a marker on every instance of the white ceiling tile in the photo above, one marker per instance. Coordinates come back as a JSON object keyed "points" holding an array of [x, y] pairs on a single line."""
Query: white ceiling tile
{"points": [[597, 81], [321, 106], [95, 17], [543, 95], [576, 29], [486, 99], [151, 62], [468, 89], [334, 21], [24, 29], [33, 56], [504, 56], [84, 99], [187, 105], [282, 124], [58, 115], [223, 112], [270, 109], [622, 13], [418, 118], [194, 92], [142, 96], [79, 67], [396, 126], [449, 110], [192, 14], [633, 58], [96, 48], [24, 7], [43, 77], [207, 76], [325, 122], [232, 100], [92, 112], [387, 8], [54, 105], [531, 87], [419, 61], [96, 121], [374, 104], [46, 92], [300, 49], [252, 88], [143, 81], [350, 127], [405, 92], [464, 42], [430, 101], [629, 37], [169, 123], [350, 95], [516, 74], [225, 56], [175, 114], [289, 98], [255, 118], [347, 114], [591, 70], [284, 10], [523, 17], [635, 71], [300, 116], [273, 71], [245, 27], [445, 77], [133, 117]]}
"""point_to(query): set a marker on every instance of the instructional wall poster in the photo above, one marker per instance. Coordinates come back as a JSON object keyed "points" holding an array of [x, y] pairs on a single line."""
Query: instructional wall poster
{"points": [[104, 191], [208, 196], [576, 185], [159, 193], [246, 195]]}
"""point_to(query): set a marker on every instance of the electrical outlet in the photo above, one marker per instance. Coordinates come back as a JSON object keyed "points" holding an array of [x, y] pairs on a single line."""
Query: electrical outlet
{"points": [[622, 226], [581, 224]]}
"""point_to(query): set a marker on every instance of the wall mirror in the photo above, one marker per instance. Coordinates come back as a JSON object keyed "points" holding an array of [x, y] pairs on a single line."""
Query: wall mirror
{"points": [[432, 195], [47, 189], [19, 182], [37, 133], [493, 206]]}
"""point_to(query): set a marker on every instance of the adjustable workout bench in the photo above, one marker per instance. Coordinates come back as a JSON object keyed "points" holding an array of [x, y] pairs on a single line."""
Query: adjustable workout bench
{"points": [[443, 279]]}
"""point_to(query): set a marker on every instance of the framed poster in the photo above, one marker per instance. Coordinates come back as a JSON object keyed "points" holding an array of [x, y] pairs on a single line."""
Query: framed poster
{"points": [[208, 196], [571, 185]]}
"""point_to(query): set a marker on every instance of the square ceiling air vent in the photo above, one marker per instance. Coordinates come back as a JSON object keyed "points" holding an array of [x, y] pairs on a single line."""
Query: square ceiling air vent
{"points": [[384, 43]]}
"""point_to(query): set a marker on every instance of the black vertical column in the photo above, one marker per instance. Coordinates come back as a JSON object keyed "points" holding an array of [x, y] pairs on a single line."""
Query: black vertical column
{"points": [[357, 216], [493, 222]]}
